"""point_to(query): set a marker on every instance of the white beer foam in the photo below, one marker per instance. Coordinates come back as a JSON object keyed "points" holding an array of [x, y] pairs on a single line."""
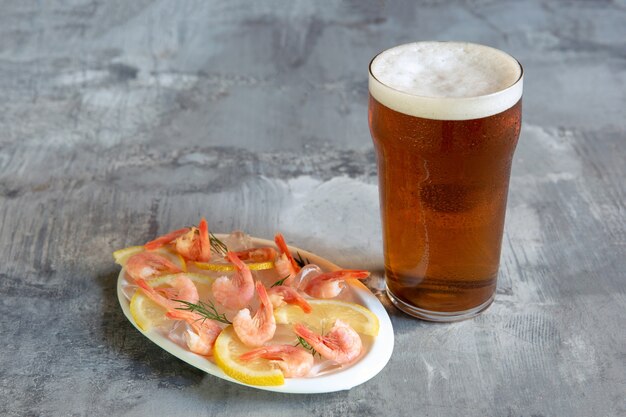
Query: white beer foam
{"points": [[446, 80]]}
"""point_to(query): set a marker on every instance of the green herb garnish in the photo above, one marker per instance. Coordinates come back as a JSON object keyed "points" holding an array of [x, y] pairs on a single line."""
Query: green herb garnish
{"points": [[279, 282], [217, 245], [206, 310], [306, 345], [301, 261]]}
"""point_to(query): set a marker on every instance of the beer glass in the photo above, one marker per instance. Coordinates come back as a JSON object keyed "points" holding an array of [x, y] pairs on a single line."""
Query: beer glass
{"points": [[445, 118]]}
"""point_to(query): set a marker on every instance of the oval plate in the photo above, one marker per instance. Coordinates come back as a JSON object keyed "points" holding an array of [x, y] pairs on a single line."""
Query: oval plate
{"points": [[366, 368]]}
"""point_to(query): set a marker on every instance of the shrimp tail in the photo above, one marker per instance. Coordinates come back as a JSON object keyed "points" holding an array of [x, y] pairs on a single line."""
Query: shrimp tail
{"points": [[234, 259], [345, 274], [144, 286], [307, 334], [272, 352], [154, 295], [263, 296], [194, 319], [165, 239], [293, 361], [358, 273], [291, 296], [176, 315], [205, 241], [302, 303], [282, 245], [254, 354], [329, 277]]}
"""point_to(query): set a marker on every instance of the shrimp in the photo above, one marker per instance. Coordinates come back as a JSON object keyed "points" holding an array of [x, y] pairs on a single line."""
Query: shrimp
{"points": [[284, 294], [146, 265], [285, 265], [165, 239], [341, 344], [201, 337], [293, 361], [235, 292], [195, 244], [182, 288], [254, 331], [330, 284], [257, 254], [185, 293]]}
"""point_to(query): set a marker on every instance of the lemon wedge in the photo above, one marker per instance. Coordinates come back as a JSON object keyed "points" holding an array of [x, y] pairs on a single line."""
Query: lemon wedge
{"points": [[226, 267], [324, 314], [148, 314], [226, 353]]}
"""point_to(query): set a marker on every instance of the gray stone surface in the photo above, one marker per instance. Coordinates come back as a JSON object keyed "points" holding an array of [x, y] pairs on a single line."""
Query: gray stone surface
{"points": [[121, 120]]}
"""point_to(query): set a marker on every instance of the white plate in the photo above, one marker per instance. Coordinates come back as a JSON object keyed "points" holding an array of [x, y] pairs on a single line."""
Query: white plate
{"points": [[366, 368]]}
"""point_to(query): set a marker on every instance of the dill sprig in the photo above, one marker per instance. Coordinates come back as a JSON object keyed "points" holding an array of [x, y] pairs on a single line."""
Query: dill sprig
{"points": [[217, 245], [206, 310], [306, 345], [279, 282], [301, 261]]}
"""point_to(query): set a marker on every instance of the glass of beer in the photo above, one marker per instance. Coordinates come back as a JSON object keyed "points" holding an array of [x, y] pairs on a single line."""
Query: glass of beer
{"points": [[445, 118]]}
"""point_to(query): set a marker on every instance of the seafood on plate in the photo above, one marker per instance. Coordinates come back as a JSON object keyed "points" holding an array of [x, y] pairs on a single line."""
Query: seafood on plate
{"points": [[261, 313]]}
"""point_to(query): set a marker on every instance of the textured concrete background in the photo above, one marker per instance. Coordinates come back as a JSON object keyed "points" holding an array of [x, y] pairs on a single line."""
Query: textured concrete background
{"points": [[120, 120]]}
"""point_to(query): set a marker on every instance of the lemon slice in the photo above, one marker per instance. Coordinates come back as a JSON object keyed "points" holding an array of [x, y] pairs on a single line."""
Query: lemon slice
{"points": [[324, 314], [225, 267], [226, 353], [122, 255], [148, 314]]}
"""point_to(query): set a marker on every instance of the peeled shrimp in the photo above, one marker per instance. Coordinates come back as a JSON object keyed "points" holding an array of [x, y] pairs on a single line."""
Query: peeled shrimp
{"points": [[165, 239], [285, 265], [284, 294], [237, 291], [195, 244], [293, 361], [147, 265], [192, 243], [330, 284], [182, 288], [254, 331], [201, 337], [257, 254], [341, 344]]}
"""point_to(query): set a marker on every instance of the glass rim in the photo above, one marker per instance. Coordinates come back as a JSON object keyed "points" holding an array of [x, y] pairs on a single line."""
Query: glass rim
{"points": [[521, 75], [447, 108]]}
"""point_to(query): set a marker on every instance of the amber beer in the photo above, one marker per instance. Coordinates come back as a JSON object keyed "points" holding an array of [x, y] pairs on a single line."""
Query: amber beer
{"points": [[445, 118]]}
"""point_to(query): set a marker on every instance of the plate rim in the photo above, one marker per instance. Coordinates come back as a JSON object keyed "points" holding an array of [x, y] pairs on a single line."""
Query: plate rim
{"points": [[365, 369]]}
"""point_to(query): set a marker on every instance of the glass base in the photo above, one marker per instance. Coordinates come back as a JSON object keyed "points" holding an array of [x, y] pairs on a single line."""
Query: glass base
{"points": [[438, 316]]}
